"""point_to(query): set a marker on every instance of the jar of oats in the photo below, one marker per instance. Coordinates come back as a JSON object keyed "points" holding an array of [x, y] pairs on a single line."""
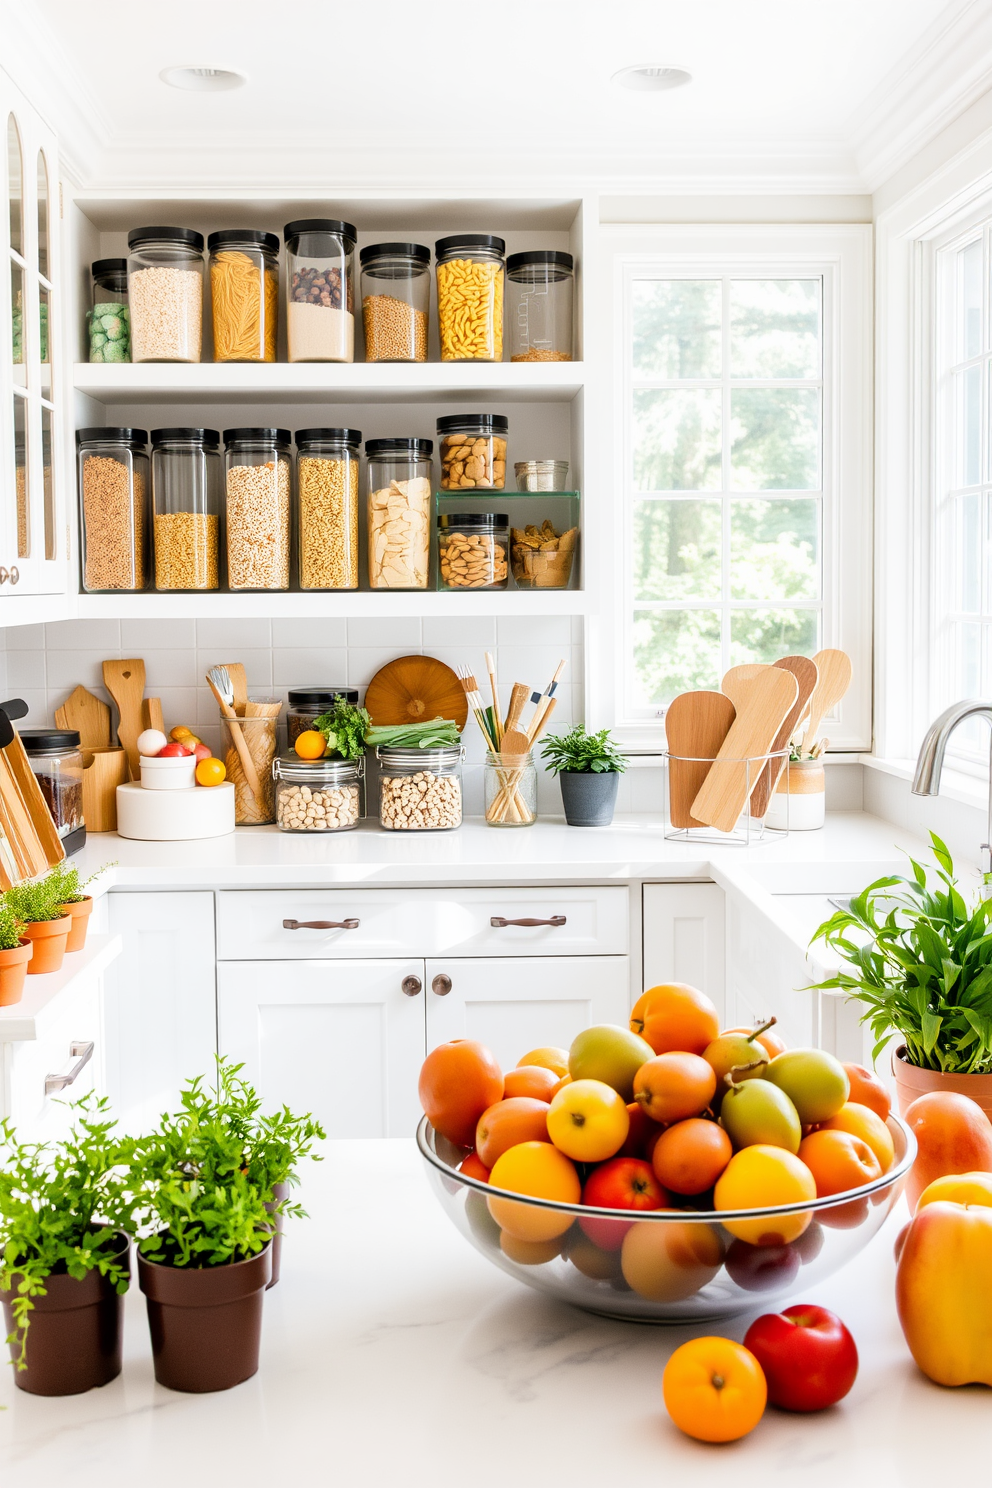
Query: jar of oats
{"points": [[113, 507], [420, 790], [186, 482], [396, 300], [327, 503], [165, 290], [470, 297], [399, 513], [257, 481], [317, 795]]}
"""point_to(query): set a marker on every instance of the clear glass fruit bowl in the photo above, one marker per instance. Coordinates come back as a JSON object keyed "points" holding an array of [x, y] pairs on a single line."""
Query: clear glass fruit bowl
{"points": [[667, 1266]]}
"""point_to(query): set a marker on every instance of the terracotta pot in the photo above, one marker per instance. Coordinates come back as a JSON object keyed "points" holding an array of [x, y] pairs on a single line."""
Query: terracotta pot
{"points": [[279, 1191], [80, 916], [205, 1322], [74, 1336], [48, 938], [13, 970], [912, 1082]]}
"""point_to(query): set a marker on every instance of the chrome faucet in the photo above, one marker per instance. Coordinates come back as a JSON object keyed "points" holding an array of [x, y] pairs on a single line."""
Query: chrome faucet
{"points": [[930, 762]]}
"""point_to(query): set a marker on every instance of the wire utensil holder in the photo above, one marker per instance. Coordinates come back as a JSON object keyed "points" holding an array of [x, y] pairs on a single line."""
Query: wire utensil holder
{"points": [[748, 829]]}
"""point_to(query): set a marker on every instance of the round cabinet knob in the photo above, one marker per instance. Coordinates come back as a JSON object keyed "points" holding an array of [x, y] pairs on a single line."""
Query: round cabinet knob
{"points": [[15, 574], [411, 986], [441, 984], [4, 576]]}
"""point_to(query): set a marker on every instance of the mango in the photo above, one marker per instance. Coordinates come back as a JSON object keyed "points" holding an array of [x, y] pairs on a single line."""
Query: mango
{"points": [[953, 1135], [942, 1291]]}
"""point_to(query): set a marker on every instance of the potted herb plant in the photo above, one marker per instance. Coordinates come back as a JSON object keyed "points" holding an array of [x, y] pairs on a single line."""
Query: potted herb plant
{"points": [[65, 1213], [921, 961], [68, 894], [43, 921], [588, 767], [15, 953]]}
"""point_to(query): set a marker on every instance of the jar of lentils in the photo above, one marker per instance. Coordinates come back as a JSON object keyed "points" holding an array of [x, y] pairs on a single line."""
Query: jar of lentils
{"points": [[470, 297], [396, 299], [420, 790], [317, 795], [257, 503], [186, 480], [327, 463], [165, 290]]}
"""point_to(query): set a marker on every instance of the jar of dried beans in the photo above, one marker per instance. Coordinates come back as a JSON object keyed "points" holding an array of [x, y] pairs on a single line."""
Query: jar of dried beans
{"points": [[165, 289], [327, 494], [399, 512], [109, 320], [320, 297], [186, 480], [244, 294], [257, 503], [472, 447], [539, 306], [420, 790], [113, 501], [317, 795], [473, 550], [470, 297], [396, 301]]}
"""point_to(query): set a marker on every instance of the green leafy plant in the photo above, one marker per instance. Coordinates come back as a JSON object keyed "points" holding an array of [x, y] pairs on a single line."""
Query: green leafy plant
{"points": [[579, 753], [922, 964], [272, 1145], [37, 901], [344, 727], [66, 885], [437, 733], [10, 927]]}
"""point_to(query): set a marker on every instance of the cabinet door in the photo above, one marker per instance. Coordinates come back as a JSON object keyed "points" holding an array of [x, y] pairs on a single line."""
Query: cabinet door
{"points": [[515, 1005], [161, 1020], [685, 938], [339, 1038], [71, 1045]]}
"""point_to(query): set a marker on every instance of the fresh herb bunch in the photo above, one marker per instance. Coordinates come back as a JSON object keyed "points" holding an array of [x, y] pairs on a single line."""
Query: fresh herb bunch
{"points": [[344, 727], [67, 887], [35, 902], [438, 733], [922, 967], [10, 927], [60, 1206], [579, 753], [271, 1146]]}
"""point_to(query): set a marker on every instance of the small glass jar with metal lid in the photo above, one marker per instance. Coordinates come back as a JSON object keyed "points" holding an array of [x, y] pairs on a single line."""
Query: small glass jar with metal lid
{"points": [[396, 301], [539, 306], [109, 318], [244, 295], [470, 297], [165, 290], [420, 790], [317, 795], [306, 704], [472, 447], [257, 485], [399, 512], [320, 292], [113, 501], [186, 485], [473, 550], [327, 465], [57, 762]]}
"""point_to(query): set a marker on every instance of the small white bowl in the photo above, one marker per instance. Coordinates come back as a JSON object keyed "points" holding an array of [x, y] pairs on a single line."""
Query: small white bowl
{"points": [[175, 772]]}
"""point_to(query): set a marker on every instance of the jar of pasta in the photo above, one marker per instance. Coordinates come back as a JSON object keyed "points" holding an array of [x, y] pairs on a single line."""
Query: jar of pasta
{"points": [[327, 496], [257, 507], [186, 482], [470, 297], [472, 447], [320, 292], [396, 297], [399, 513], [113, 498], [244, 292], [165, 289]]}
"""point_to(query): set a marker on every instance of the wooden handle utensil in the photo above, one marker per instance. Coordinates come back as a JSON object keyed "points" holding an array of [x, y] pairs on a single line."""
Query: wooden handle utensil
{"points": [[125, 681], [724, 792], [834, 678], [696, 724], [805, 673]]}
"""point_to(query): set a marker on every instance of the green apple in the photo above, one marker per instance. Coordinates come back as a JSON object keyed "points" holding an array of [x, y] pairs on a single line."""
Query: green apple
{"points": [[814, 1081], [755, 1111], [736, 1051], [609, 1053]]}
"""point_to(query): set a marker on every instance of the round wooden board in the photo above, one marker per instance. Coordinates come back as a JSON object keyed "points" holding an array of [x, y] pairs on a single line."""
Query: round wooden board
{"points": [[415, 689]]}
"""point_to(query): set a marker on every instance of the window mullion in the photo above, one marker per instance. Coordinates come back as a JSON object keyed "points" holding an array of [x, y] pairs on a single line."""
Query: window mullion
{"points": [[725, 480]]}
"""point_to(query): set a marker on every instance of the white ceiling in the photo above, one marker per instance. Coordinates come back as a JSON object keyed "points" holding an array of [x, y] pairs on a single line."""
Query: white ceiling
{"points": [[787, 94]]}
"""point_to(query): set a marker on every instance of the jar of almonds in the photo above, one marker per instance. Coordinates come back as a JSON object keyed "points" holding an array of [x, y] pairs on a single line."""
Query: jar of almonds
{"points": [[473, 550], [317, 795], [473, 451]]}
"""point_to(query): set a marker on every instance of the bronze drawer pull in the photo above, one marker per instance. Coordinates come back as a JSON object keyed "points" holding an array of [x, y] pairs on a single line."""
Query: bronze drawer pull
{"points": [[441, 984], [498, 923], [411, 985], [82, 1053], [321, 924]]}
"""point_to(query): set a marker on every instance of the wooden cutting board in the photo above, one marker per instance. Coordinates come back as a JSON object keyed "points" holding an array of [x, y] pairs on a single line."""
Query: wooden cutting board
{"points": [[32, 841], [805, 673], [415, 689], [696, 724], [89, 715], [834, 678], [125, 681], [724, 792]]}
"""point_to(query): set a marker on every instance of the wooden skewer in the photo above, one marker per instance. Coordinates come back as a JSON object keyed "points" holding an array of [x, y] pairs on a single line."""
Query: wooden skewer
{"points": [[497, 716]]}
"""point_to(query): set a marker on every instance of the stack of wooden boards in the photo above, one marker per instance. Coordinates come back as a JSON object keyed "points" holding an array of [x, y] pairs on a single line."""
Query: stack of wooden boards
{"points": [[29, 840], [107, 764]]}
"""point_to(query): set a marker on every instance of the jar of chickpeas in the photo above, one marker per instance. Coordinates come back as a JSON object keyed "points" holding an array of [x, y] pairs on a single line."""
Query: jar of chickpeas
{"points": [[470, 273]]}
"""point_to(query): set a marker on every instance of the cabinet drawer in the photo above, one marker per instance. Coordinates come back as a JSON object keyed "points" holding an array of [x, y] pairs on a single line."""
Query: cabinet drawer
{"points": [[421, 922]]}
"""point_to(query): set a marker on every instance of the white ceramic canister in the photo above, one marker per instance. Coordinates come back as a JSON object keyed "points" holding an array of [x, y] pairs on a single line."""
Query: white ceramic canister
{"points": [[798, 801], [183, 816], [174, 772]]}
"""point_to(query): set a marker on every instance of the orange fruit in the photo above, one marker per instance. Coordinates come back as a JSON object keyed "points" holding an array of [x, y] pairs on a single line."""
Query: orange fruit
{"points": [[591, 1259], [670, 1260], [311, 745], [588, 1121], [689, 1157], [761, 1177], [519, 1119], [458, 1081], [838, 1162], [540, 1171], [959, 1188], [675, 1017], [565, 1080], [673, 1086], [861, 1121], [210, 771], [548, 1057], [714, 1389], [529, 1252], [474, 1167], [530, 1079], [868, 1090]]}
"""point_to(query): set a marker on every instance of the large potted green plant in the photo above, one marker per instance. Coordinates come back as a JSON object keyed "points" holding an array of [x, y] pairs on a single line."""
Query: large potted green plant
{"points": [[588, 767], [15, 953], [43, 921], [921, 961]]}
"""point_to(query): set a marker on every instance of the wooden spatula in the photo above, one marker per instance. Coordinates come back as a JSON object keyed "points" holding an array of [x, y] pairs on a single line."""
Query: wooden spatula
{"points": [[735, 681], [518, 700], [89, 715], [723, 794], [151, 714], [696, 724], [125, 681], [805, 673], [834, 678]]}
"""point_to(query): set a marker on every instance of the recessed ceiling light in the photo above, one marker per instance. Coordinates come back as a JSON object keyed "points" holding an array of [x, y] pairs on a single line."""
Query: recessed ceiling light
{"points": [[652, 79], [203, 79]]}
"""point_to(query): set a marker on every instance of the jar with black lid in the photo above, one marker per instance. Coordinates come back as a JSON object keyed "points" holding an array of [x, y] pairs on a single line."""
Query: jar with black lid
{"points": [[113, 499], [470, 297], [320, 295], [57, 761], [257, 464], [539, 306], [306, 704], [473, 550], [109, 317], [399, 512], [186, 483], [396, 301], [165, 288], [327, 466], [244, 294], [472, 447]]}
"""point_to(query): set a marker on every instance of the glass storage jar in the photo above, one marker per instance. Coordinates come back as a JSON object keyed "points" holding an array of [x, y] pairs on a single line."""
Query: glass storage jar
{"points": [[399, 512], [186, 483], [327, 463], [244, 295], [109, 318], [472, 550], [57, 761], [510, 791], [257, 481], [252, 740], [306, 704], [472, 448], [320, 295], [113, 501], [165, 290], [539, 306], [470, 297], [543, 557], [317, 795], [420, 790], [396, 301]]}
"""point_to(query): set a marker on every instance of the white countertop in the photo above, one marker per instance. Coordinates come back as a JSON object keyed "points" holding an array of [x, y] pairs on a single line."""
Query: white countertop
{"points": [[395, 1356]]}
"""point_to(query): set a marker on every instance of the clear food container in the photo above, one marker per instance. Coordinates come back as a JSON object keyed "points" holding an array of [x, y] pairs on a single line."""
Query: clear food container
{"points": [[543, 557], [396, 301], [257, 483], [510, 791], [113, 503], [327, 463], [251, 741], [472, 447], [244, 295], [420, 790], [186, 483], [399, 512], [539, 306], [470, 297], [320, 295], [473, 550], [165, 290], [57, 761], [306, 704], [108, 320], [317, 795]]}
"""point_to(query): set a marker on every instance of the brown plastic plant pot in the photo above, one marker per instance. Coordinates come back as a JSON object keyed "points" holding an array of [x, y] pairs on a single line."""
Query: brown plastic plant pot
{"points": [[79, 913], [13, 970], [74, 1335], [49, 938], [205, 1322], [280, 1191], [912, 1082]]}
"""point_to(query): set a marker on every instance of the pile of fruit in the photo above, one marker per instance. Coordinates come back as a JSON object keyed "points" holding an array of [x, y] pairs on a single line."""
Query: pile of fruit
{"points": [[181, 743]]}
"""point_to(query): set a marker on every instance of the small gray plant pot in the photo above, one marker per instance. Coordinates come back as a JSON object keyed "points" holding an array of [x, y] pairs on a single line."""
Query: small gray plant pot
{"points": [[589, 799]]}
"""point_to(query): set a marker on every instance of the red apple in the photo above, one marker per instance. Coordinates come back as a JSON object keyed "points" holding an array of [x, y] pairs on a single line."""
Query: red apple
{"points": [[808, 1357], [620, 1183], [761, 1268], [201, 751], [173, 751]]}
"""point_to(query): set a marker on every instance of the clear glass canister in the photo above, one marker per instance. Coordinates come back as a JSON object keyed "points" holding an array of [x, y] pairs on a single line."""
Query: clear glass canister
{"points": [[109, 318], [320, 294], [472, 447], [249, 747], [470, 297], [257, 482], [510, 791], [472, 550], [186, 481], [399, 512], [396, 301], [58, 764], [317, 795], [165, 289], [542, 557], [327, 463], [244, 295], [539, 306], [113, 501], [420, 790], [306, 704]]}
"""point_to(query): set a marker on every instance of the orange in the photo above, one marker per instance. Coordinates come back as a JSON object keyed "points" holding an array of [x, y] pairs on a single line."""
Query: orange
{"points": [[673, 1086], [548, 1057], [591, 1259], [689, 1157], [868, 1090], [458, 1081], [861, 1121], [474, 1167], [519, 1119], [588, 1121], [210, 771], [529, 1252], [675, 1016], [714, 1389], [959, 1188], [762, 1177], [530, 1079], [311, 745], [838, 1162], [669, 1260], [540, 1171], [565, 1080]]}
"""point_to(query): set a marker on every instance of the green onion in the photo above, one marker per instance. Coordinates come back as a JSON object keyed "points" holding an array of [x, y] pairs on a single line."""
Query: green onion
{"points": [[437, 734]]}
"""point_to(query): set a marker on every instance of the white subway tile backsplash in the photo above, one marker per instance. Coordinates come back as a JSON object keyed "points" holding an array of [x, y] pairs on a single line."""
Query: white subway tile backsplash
{"points": [[179, 705], [139, 636], [228, 638], [467, 630], [38, 713], [365, 661], [26, 669], [534, 664], [403, 633], [170, 668], [25, 637], [66, 669], [309, 666], [524, 630], [313, 633], [100, 635], [257, 664]]}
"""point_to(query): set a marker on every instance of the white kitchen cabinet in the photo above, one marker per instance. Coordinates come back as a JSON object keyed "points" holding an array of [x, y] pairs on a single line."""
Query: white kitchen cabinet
{"points": [[70, 1046], [685, 938]]}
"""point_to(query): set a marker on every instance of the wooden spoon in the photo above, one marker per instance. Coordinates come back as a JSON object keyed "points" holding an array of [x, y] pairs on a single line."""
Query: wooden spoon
{"points": [[125, 681], [696, 724], [724, 792], [805, 673], [239, 686], [834, 669], [735, 682]]}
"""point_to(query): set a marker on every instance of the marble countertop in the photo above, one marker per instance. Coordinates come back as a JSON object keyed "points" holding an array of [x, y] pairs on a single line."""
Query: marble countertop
{"points": [[394, 1354]]}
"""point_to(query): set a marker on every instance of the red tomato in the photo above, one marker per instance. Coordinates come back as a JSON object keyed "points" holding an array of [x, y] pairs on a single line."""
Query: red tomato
{"points": [[173, 751], [809, 1358], [620, 1183]]}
